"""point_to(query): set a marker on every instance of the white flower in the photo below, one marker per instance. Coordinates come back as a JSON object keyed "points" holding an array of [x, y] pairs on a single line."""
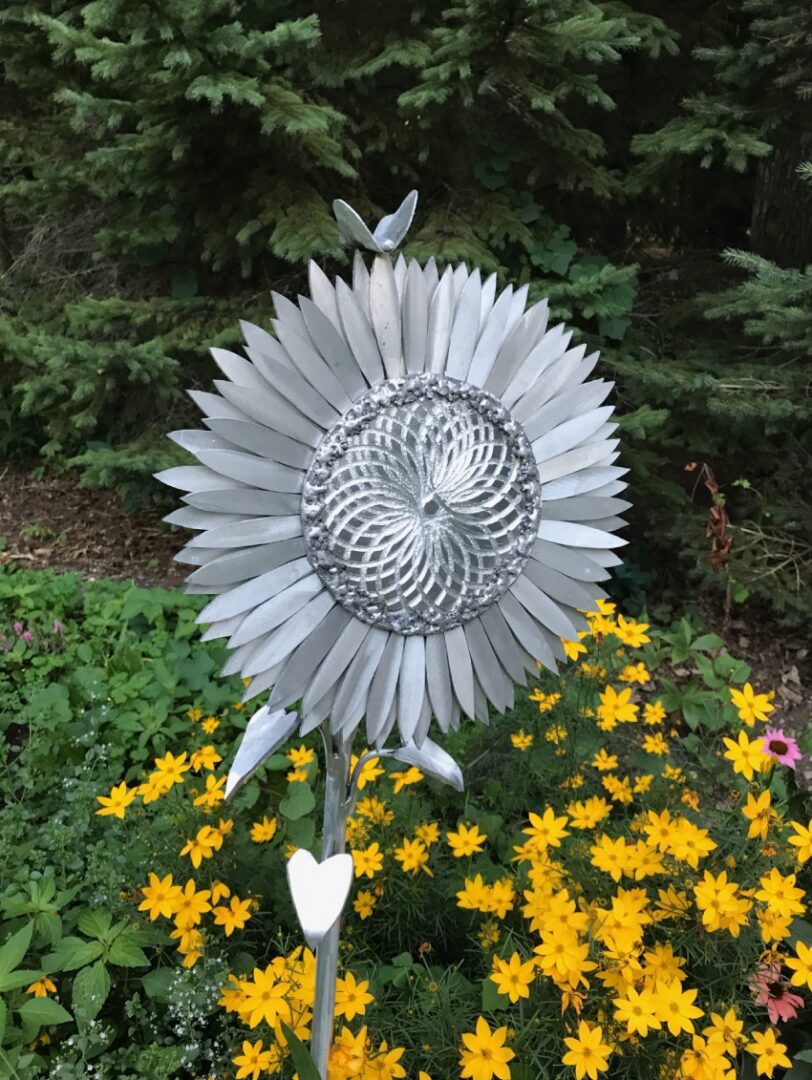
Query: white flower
{"points": [[404, 497]]}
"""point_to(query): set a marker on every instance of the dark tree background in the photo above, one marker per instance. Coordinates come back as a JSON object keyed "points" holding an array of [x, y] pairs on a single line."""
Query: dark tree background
{"points": [[164, 164]]}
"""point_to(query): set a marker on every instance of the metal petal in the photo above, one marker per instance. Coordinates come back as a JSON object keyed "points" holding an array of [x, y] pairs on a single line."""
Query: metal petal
{"points": [[303, 661], [328, 338], [384, 685], [570, 434], [269, 408], [257, 338], [582, 457], [351, 700], [335, 663], [568, 561], [283, 641], [199, 440], [465, 329], [491, 340], [411, 685], [583, 508], [460, 668], [188, 517], [384, 307], [267, 730], [224, 628], [245, 597], [192, 478], [252, 470], [313, 367], [488, 670], [240, 565], [504, 643], [432, 760], [560, 587], [568, 532], [265, 530], [572, 403], [277, 610], [245, 502], [488, 297], [415, 318], [542, 608], [295, 389], [527, 630], [238, 369], [212, 405], [603, 557], [438, 679], [359, 335], [440, 314], [518, 344], [260, 440]]}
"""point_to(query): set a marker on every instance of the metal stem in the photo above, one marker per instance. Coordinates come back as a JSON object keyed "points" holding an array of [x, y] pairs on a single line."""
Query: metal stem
{"points": [[334, 835]]}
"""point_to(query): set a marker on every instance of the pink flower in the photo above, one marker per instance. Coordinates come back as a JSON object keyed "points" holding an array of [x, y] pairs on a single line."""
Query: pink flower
{"points": [[27, 636], [781, 747], [57, 626], [18, 628], [771, 989]]}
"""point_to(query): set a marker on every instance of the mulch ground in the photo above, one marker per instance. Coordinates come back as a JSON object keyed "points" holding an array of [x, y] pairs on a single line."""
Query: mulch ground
{"points": [[54, 523]]}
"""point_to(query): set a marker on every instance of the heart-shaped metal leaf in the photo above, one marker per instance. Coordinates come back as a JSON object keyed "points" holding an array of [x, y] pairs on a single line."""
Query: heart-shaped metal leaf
{"points": [[319, 891]]}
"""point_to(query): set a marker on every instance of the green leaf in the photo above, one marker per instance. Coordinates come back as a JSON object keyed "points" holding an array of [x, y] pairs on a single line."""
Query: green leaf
{"points": [[305, 1066], [72, 953], [15, 979], [158, 984], [299, 801], [803, 1055], [126, 951], [707, 642], [95, 924], [491, 998], [3, 1012], [90, 989], [40, 1012], [15, 949]]}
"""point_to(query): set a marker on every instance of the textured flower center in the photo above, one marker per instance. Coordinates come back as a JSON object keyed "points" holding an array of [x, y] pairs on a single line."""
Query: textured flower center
{"points": [[421, 504]]}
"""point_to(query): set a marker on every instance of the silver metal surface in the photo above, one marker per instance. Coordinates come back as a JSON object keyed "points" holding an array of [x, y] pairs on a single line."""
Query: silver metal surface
{"points": [[421, 505]]}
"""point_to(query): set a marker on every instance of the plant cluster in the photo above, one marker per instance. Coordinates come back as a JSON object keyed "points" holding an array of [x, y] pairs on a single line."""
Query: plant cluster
{"points": [[632, 903]]}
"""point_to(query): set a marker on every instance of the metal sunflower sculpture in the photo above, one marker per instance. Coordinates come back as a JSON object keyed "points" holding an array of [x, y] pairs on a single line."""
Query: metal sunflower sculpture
{"points": [[405, 495]]}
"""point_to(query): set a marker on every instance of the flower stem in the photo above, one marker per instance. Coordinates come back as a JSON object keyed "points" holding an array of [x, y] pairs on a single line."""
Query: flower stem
{"points": [[334, 836]]}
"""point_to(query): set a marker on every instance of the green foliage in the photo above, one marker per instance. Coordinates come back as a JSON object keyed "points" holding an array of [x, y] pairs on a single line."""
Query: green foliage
{"points": [[115, 676], [166, 164]]}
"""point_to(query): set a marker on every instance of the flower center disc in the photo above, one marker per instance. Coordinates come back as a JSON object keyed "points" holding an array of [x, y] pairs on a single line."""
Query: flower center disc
{"points": [[421, 505]]}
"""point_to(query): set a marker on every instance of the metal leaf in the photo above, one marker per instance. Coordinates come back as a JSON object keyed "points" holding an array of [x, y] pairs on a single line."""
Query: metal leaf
{"points": [[391, 230], [267, 730], [352, 228], [431, 760]]}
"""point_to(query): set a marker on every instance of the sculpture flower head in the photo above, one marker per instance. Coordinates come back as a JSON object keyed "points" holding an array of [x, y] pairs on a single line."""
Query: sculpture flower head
{"points": [[405, 494]]}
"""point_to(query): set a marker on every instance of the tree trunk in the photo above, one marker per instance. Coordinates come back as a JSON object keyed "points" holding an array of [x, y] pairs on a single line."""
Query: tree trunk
{"points": [[781, 222]]}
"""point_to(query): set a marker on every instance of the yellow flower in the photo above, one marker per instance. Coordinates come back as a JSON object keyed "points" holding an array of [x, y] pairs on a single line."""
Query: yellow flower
{"points": [[42, 987], [210, 725], [297, 776], [587, 814], [512, 977], [264, 998], [161, 897], [429, 833], [364, 903], [746, 755], [301, 757], [801, 965], [466, 841], [758, 811], [604, 762], [171, 768], [367, 861], [153, 788], [573, 649], [252, 1061], [117, 802], [780, 894], [588, 1053], [546, 830], [191, 905], [263, 831], [616, 708], [234, 917], [205, 758], [413, 856], [721, 906], [653, 712], [635, 673], [768, 1052], [631, 633], [412, 775], [638, 1011], [500, 898], [385, 1064], [202, 846], [484, 1054], [370, 770], [347, 1055], [802, 841], [725, 1030], [675, 1007], [213, 794], [750, 705], [655, 744], [475, 895], [375, 810], [522, 740], [194, 714], [219, 891], [352, 997]]}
